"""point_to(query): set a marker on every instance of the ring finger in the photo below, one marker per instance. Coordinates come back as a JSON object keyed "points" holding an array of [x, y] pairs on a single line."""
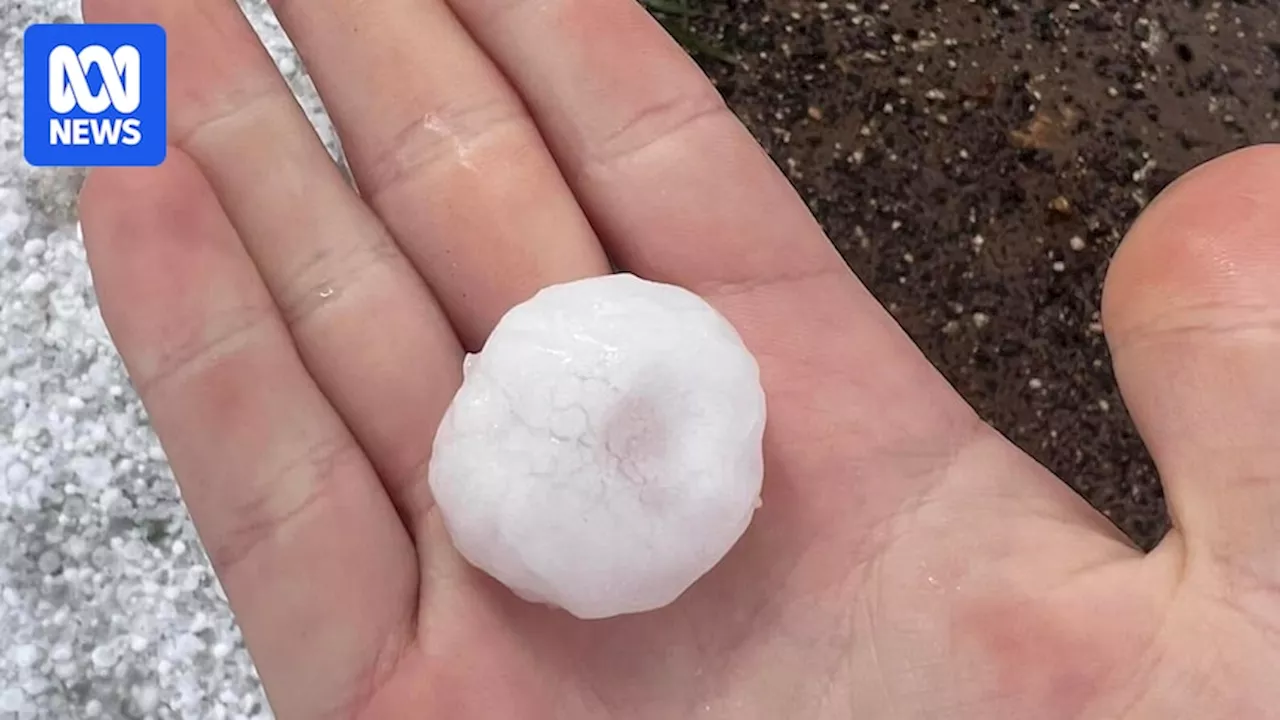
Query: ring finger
{"points": [[327, 260]]}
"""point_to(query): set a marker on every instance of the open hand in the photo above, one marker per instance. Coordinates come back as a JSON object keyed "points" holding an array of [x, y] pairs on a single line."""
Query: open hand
{"points": [[295, 342]]}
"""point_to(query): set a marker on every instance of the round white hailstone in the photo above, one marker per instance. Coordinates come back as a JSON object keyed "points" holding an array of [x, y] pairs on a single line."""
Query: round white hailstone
{"points": [[605, 448]]}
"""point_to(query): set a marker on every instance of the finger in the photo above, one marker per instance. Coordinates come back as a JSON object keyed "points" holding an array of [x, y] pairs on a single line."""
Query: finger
{"points": [[306, 543], [676, 187], [341, 282], [1192, 312], [680, 192], [443, 149]]}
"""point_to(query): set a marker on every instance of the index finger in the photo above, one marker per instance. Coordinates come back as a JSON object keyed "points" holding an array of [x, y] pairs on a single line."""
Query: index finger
{"points": [[674, 184]]}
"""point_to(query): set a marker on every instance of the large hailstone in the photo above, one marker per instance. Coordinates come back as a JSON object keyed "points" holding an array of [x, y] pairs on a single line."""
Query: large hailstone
{"points": [[604, 450]]}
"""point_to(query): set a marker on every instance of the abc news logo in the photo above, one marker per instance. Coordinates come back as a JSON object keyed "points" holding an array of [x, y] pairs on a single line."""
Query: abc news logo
{"points": [[69, 89], [94, 95]]}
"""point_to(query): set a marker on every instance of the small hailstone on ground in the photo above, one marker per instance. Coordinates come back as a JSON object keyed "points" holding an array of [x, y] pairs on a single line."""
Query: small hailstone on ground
{"points": [[25, 656], [34, 283], [605, 448]]}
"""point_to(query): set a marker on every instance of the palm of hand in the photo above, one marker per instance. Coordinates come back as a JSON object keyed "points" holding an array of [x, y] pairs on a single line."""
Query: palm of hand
{"points": [[908, 562], [939, 592]]}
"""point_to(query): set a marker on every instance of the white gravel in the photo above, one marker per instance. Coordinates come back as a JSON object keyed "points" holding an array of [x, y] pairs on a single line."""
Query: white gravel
{"points": [[108, 607]]}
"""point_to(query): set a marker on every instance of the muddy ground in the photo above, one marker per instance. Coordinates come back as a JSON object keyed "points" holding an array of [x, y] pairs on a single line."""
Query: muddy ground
{"points": [[977, 163]]}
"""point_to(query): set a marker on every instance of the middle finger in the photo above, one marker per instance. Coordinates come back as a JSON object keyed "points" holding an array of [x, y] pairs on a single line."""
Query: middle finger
{"points": [[444, 150]]}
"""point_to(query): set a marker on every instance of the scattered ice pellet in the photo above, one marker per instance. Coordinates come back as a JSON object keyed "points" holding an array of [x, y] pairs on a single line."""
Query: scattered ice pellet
{"points": [[49, 562], [604, 450], [189, 644], [34, 247], [13, 700], [17, 473], [60, 653], [11, 223], [79, 541], [103, 656], [147, 697], [94, 472], [24, 656], [34, 283]]}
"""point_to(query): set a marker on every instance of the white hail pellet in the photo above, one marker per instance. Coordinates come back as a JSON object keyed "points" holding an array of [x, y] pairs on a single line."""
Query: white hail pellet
{"points": [[604, 450]]}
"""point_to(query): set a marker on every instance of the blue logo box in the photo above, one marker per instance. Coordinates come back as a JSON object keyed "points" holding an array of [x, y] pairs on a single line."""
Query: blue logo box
{"points": [[94, 95]]}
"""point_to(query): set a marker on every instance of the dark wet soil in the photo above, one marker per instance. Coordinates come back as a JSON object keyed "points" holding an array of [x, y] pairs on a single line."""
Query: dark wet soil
{"points": [[978, 161]]}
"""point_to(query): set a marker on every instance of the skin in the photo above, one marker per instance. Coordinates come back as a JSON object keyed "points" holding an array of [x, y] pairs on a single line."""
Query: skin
{"points": [[295, 343]]}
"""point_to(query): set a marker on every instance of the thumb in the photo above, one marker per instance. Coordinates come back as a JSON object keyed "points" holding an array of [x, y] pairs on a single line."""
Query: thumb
{"points": [[1192, 315]]}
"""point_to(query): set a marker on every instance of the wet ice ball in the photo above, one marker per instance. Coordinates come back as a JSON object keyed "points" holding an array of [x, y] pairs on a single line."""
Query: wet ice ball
{"points": [[604, 449]]}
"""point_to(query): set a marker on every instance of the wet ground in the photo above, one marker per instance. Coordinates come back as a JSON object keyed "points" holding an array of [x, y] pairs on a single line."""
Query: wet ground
{"points": [[977, 163]]}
